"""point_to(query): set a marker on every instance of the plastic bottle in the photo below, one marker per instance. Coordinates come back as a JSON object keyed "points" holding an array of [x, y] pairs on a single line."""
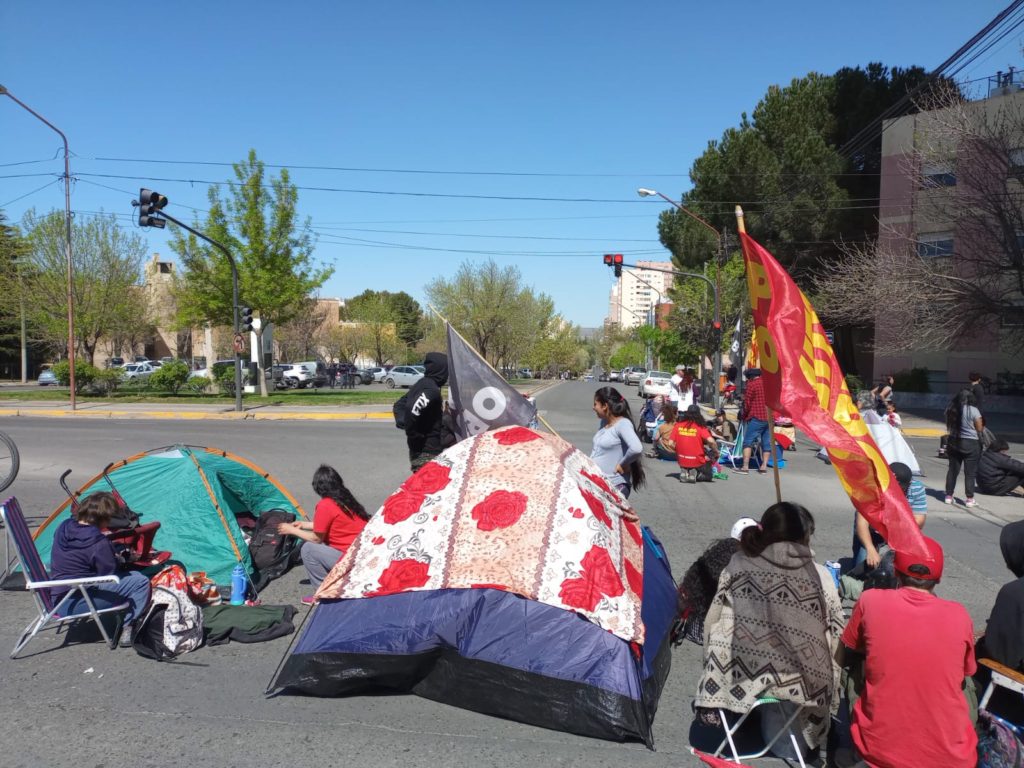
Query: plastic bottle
{"points": [[238, 585]]}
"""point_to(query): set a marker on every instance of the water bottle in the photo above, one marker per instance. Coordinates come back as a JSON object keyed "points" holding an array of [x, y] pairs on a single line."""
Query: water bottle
{"points": [[238, 585], [833, 569]]}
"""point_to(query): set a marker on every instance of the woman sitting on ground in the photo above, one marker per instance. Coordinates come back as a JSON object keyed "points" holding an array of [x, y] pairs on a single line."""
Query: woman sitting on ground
{"points": [[664, 442], [80, 549], [337, 521], [773, 626]]}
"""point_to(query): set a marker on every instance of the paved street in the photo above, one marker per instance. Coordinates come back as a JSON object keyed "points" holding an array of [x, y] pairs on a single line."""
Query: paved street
{"points": [[209, 706]]}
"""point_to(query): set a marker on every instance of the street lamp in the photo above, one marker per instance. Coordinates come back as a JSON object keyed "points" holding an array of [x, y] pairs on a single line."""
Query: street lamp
{"points": [[717, 358], [67, 225]]}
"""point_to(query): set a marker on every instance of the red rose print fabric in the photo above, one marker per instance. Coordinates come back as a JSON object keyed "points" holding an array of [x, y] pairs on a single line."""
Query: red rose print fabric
{"points": [[510, 509]]}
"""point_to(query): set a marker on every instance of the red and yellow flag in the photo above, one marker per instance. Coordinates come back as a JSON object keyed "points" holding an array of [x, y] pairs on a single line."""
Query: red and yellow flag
{"points": [[803, 380]]}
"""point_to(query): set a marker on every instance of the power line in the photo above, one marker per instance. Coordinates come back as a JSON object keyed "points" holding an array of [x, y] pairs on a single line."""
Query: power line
{"points": [[22, 197]]}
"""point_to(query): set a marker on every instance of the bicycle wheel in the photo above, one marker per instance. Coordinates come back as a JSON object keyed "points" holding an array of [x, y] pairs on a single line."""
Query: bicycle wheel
{"points": [[10, 461]]}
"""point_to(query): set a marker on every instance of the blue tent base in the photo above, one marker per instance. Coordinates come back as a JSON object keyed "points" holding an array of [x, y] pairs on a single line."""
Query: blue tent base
{"points": [[491, 689]]}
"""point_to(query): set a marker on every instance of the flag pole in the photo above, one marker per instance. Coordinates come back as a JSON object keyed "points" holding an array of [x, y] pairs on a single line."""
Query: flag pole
{"points": [[742, 227]]}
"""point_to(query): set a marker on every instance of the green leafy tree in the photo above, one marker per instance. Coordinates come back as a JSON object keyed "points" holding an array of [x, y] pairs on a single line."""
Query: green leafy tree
{"points": [[392, 321], [258, 223], [85, 374], [108, 299], [630, 353]]}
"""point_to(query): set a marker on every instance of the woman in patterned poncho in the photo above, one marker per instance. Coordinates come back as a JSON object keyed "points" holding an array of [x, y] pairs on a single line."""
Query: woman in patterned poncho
{"points": [[774, 625]]}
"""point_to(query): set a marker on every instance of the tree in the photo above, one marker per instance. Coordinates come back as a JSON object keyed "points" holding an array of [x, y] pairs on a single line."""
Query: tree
{"points": [[258, 223], [108, 299], [923, 297], [302, 337], [630, 353], [495, 313], [392, 321], [13, 249]]}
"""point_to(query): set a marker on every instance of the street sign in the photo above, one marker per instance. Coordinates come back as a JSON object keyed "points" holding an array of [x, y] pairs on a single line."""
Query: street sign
{"points": [[831, 337], [239, 342]]}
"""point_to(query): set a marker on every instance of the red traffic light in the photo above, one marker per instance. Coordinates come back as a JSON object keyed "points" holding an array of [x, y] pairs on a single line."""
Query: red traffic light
{"points": [[717, 325], [617, 259], [608, 259]]}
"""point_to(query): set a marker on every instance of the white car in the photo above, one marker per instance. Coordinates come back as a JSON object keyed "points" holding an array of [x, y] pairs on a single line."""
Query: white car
{"points": [[403, 376], [379, 374], [137, 371], [655, 383]]}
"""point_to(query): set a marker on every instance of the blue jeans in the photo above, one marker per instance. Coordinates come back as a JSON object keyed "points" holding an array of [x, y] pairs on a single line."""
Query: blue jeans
{"points": [[134, 588]]}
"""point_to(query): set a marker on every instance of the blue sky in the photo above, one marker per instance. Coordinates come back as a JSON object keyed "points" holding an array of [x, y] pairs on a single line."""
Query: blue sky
{"points": [[583, 101]]}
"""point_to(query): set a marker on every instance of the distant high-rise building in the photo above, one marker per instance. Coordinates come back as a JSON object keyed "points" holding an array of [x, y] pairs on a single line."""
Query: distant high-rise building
{"points": [[638, 291]]}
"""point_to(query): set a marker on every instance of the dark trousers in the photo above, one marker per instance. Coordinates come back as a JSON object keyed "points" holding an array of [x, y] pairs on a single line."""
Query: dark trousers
{"points": [[962, 452]]}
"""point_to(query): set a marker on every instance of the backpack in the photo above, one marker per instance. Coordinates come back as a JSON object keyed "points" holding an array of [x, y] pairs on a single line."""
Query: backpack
{"points": [[272, 553], [173, 624], [998, 744], [399, 410]]}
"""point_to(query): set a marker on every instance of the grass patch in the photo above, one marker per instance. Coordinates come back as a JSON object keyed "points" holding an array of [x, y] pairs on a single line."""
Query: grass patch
{"points": [[289, 397]]}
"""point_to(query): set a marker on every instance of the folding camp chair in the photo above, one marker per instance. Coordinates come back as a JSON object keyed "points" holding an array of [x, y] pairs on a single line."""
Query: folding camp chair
{"points": [[1002, 677], [39, 583], [785, 730], [731, 454]]}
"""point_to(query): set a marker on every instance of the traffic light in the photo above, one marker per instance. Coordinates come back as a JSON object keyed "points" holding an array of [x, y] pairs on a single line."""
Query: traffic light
{"points": [[246, 320], [151, 202], [614, 260]]}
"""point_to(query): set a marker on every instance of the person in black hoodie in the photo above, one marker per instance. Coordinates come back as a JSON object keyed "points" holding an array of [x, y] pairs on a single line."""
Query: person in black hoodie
{"points": [[999, 474], [1004, 636], [425, 432], [80, 549]]}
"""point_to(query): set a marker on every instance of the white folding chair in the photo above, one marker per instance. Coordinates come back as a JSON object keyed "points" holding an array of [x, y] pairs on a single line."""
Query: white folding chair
{"points": [[1002, 677], [39, 583], [786, 730]]}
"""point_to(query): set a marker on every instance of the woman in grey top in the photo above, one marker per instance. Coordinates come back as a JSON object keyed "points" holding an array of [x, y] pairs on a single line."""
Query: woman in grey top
{"points": [[617, 449], [964, 422]]}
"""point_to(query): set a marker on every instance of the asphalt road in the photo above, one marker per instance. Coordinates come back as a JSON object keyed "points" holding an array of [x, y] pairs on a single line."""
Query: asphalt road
{"points": [[83, 705]]}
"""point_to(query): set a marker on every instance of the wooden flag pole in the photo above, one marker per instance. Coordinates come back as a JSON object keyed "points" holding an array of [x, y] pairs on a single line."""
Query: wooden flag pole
{"points": [[742, 227]]}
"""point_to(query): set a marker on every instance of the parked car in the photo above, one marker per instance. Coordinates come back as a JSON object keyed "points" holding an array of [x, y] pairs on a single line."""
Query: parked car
{"points": [[633, 374], [365, 375], [47, 377], [403, 376], [655, 383], [137, 371], [377, 373], [308, 374], [115, 362], [614, 376], [525, 373], [140, 359]]}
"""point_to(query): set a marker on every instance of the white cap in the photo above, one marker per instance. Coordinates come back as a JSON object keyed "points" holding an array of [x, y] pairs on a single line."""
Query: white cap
{"points": [[680, 367], [741, 525]]}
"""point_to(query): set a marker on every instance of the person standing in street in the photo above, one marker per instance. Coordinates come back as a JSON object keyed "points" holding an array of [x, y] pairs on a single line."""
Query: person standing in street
{"points": [[964, 422], [755, 419], [675, 385], [424, 422], [617, 449]]}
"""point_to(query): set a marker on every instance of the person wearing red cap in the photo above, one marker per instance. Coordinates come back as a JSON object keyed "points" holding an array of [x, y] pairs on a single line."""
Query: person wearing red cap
{"points": [[918, 649]]}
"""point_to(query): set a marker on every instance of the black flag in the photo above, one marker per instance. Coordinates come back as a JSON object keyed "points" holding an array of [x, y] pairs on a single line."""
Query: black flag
{"points": [[481, 398]]}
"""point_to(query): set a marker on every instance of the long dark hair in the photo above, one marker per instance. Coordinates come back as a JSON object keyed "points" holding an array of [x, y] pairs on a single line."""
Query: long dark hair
{"points": [[619, 406], [693, 415], [700, 583], [784, 521], [327, 484], [955, 411], [670, 412]]}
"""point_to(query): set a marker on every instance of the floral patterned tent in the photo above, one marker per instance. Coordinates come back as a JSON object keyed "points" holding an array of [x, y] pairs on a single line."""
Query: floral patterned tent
{"points": [[514, 510], [504, 577]]}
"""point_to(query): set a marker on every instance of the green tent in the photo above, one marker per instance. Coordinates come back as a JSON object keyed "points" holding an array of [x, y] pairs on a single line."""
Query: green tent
{"points": [[195, 494]]}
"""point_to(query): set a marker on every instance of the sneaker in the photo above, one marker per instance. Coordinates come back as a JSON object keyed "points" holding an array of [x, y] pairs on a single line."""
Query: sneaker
{"points": [[309, 600], [970, 502], [948, 500]]}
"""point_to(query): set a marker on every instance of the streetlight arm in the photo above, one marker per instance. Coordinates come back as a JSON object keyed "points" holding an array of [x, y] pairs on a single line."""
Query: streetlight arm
{"points": [[688, 212]]}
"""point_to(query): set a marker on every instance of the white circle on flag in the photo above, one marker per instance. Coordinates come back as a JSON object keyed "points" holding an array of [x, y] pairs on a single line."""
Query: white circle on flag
{"points": [[489, 403]]}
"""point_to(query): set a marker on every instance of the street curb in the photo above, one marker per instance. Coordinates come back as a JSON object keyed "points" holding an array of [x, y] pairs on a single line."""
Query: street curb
{"points": [[196, 415]]}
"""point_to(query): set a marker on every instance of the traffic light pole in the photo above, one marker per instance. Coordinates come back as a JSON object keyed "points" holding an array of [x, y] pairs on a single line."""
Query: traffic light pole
{"points": [[234, 300], [717, 356]]}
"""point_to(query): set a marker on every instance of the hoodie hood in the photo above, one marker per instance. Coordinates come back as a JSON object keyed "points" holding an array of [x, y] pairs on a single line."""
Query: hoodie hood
{"points": [[72, 536], [1011, 542], [789, 555], [436, 365]]}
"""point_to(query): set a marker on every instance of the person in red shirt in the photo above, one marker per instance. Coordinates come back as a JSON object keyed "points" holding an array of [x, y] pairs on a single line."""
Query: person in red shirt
{"points": [[755, 419], [337, 520], [691, 434], [918, 649]]}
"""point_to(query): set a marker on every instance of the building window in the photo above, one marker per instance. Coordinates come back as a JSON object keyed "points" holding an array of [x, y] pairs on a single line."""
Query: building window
{"points": [[938, 175], [1015, 162], [935, 245]]}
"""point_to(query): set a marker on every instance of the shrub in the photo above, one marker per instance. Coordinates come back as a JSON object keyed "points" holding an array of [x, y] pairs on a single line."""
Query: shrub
{"points": [[914, 380], [107, 381], [197, 384], [169, 377], [854, 383], [85, 374], [225, 378]]}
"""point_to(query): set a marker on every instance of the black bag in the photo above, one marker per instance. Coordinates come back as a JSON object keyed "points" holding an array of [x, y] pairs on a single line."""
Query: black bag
{"points": [[399, 409], [272, 553]]}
